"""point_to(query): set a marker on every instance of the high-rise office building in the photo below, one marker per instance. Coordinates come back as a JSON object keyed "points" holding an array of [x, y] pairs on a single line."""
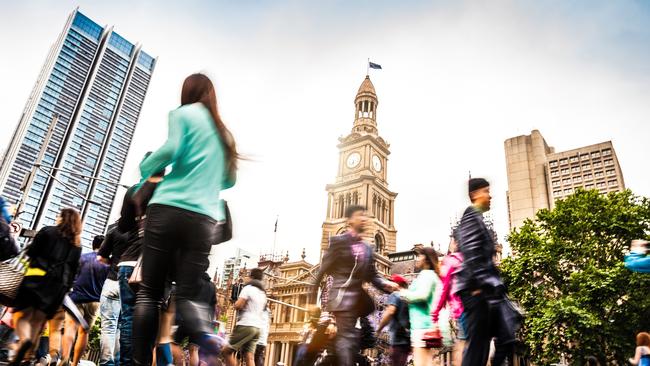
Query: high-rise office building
{"points": [[91, 87], [538, 176]]}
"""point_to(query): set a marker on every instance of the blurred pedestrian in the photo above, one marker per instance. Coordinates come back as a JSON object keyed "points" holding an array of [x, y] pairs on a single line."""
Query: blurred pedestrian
{"points": [[250, 318], [638, 259], [350, 262], [642, 353], [54, 259], [86, 293], [182, 215], [479, 285], [419, 296], [396, 314], [110, 305], [450, 266]]}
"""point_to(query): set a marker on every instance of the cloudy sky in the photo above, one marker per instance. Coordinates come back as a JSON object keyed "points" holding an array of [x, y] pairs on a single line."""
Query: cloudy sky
{"points": [[459, 78]]}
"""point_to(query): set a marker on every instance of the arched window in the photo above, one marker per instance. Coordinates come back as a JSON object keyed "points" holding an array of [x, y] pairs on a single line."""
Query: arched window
{"points": [[355, 198], [341, 206], [379, 243]]}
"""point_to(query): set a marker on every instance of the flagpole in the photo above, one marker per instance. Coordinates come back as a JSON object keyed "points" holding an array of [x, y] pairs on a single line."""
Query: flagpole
{"points": [[368, 67], [275, 236]]}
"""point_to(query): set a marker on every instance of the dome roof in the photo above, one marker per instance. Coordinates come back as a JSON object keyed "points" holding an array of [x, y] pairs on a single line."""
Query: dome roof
{"points": [[366, 87]]}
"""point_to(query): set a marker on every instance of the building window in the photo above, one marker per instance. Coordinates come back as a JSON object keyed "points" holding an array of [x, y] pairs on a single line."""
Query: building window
{"points": [[564, 161], [553, 163], [565, 171], [557, 193], [600, 184], [555, 173], [588, 176], [556, 183], [586, 166], [568, 191], [611, 172], [574, 159], [609, 162], [599, 174], [575, 169], [595, 154], [598, 164], [612, 183], [607, 152], [577, 179], [589, 186], [584, 157], [566, 181]]}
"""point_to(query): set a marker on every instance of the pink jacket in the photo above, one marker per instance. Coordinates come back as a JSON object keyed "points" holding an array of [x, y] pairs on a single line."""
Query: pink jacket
{"points": [[449, 266]]}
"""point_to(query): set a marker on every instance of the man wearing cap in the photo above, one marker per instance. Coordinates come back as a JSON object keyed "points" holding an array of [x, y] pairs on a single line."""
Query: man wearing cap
{"points": [[478, 282], [397, 314], [351, 263]]}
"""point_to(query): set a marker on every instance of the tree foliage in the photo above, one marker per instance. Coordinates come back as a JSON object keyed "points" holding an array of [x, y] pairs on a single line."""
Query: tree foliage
{"points": [[567, 272]]}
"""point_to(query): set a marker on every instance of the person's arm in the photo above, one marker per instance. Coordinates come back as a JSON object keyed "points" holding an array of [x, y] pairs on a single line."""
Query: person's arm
{"points": [[73, 267], [376, 279], [389, 313], [166, 154], [424, 286], [326, 264], [243, 298], [471, 237], [638, 262], [444, 294], [637, 357], [106, 249], [38, 244]]}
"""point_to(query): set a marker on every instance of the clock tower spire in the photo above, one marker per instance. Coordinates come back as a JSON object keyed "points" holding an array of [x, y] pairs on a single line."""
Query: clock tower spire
{"points": [[362, 177]]}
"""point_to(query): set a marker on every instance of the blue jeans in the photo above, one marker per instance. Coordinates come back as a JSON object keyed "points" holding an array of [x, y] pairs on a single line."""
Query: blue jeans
{"points": [[109, 310], [126, 319]]}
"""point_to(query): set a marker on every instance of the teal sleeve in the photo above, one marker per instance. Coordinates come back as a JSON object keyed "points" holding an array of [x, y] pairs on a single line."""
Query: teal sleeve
{"points": [[228, 180], [166, 154], [424, 287], [638, 262]]}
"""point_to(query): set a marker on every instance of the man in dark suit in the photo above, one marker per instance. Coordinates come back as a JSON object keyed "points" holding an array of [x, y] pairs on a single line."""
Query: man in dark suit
{"points": [[478, 283], [351, 263]]}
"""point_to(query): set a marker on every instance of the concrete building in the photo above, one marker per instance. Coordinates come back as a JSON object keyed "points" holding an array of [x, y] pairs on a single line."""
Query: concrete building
{"points": [[231, 266], [538, 175], [91, 90]]}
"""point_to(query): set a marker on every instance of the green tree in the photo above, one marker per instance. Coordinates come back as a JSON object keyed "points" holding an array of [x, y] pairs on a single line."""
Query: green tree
{"points": [[567, 272]]}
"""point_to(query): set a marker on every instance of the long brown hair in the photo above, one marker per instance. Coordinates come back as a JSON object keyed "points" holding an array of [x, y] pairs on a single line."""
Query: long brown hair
{"points": [[643, 339], [431, 258], [197, 88], [70, 225]]}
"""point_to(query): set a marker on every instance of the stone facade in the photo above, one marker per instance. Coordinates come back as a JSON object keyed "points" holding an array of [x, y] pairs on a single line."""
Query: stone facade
{"points": [[537, 175]]}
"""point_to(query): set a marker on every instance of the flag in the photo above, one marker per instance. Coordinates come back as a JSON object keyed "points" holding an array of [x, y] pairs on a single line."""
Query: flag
{"points": [[276, 225], [373, 65]]}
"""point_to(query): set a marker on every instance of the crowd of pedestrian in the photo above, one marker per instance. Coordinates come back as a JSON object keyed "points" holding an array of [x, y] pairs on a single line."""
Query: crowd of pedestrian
{"points": [[147, 280]]}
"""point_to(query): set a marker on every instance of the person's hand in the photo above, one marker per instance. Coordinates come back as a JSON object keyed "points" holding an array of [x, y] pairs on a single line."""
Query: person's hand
{"points": [[391, 286], [476, 292]]}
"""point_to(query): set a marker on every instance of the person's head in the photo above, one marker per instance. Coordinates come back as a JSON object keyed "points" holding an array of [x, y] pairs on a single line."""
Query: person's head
{"points": [[197, 88], [69, 224], [97, 242], [592, 361], [479, 193], [427, 258], [357, 218], [643, 339], [399, 280], [256, 274]]}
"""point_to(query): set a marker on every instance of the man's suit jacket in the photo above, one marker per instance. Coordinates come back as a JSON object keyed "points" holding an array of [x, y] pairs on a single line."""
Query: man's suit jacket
{"points": [[477, 245], [346, 292]]}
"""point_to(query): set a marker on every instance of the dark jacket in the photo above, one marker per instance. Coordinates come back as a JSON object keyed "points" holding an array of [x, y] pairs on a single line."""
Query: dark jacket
{"points": [[59, 258], [477, 245], [339, 262]]}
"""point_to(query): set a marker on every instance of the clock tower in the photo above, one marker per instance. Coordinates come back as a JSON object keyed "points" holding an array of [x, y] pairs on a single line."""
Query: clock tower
{"points": [[362, 177]]}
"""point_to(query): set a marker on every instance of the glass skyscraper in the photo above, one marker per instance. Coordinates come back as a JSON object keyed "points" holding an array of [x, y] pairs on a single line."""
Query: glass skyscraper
{"points": [[92, 87]]}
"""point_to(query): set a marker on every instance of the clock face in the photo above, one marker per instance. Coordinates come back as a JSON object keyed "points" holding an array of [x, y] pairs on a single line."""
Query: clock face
{"points": [[353, 159], [376, 163]]}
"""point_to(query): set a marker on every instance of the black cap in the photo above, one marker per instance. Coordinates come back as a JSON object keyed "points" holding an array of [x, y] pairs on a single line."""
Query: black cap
{"points": [[477, 183]]}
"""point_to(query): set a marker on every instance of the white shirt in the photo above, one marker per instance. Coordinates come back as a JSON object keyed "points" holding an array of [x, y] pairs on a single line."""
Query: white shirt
{"points": [[251, 314], [264, 331]]}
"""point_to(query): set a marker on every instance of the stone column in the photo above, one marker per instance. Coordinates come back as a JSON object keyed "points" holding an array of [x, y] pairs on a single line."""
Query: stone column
{"points": [[270, 356]]}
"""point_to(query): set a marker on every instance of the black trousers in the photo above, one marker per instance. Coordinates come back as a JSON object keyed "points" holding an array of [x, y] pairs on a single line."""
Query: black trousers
{"points": [[177, 242], [347, 340]]}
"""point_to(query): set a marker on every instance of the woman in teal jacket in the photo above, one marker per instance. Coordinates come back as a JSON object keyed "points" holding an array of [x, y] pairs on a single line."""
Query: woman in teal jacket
{"points": [[420, 298], [182, 215]]}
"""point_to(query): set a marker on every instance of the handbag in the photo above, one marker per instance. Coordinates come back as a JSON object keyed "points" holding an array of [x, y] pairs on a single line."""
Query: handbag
{"points": [[224, 227], [12, 272], [432, 338], [136, 276]]}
